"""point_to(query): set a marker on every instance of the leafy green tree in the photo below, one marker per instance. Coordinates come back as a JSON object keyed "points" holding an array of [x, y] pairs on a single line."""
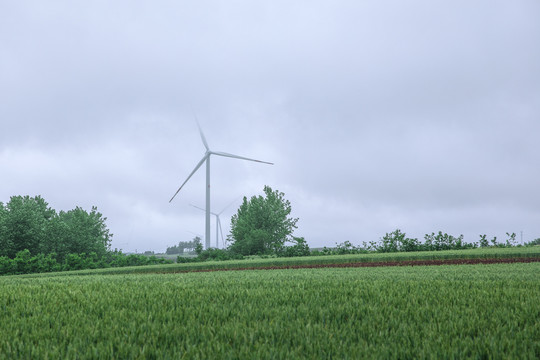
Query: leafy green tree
{"points": [[6, 245], [84, 232], [440, 241], [484, 241], [6, 265], [182, 246], [77, 231], [29, 223], [262, 225], [57, 238], [25, 221], [511, 241], [73, 262], [397, 241], [198, 245], [22, 263]]}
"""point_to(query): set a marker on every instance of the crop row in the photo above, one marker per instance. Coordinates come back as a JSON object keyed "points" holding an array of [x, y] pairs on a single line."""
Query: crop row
{"points": [[477, 311]]}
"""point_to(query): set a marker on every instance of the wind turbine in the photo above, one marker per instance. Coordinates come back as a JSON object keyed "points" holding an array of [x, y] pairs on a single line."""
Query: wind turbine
{"points": [[206, 158], [218, 222]]}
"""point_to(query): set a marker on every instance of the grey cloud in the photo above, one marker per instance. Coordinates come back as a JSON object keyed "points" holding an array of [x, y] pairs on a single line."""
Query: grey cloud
{"points": [[377, 114]]}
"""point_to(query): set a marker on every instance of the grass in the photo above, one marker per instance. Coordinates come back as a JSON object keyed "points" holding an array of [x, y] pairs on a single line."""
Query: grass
{"points": [[475, 311]]}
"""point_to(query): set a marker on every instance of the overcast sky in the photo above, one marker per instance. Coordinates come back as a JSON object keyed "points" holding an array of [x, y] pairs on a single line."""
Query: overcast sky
{"points": [[418, 115]]}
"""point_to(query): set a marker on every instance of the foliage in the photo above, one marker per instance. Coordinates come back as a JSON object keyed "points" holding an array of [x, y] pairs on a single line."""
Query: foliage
{"points": [[182, 246], [24, 225], [262, 225], [218, 254], [397, 241], [211, 254], [443, 242], [6, 244], [533, 243], [35, 238], [25, 263], [198, 245], [511, 241], [343, 248], [83, 233], [375, 313], [28, 223], [300, 248], [484, 241], [183, 259]]}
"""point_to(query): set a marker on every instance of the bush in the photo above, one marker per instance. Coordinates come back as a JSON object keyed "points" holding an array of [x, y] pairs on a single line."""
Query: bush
{"points": [[300, 248], [185, 259], [444, 242], [397, 241], [21, 263], [73, 262], [219, 255], [25, 263], [6, 266], [484, 241]]}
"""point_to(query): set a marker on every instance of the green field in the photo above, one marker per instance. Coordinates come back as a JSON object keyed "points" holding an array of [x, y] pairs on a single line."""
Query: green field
{"points": [[458, 311]]}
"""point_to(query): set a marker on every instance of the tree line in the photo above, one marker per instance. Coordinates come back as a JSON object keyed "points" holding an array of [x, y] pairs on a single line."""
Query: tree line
{"points": [[28, 223], [263, 226], [185, 247], [397, 241], [36, 238]]}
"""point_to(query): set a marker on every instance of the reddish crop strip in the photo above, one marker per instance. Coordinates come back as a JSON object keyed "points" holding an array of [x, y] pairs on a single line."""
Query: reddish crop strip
{"points": [[433, 262]]}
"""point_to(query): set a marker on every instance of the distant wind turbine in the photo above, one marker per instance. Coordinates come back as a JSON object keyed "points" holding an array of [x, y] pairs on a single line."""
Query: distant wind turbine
{"points": [[218, 223], [206, 158]]}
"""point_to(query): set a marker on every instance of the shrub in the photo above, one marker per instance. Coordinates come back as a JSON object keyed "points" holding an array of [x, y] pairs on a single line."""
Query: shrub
{"points": [[443, 242], [6, 265], [397, 241], [218, 254], [300, 248]]}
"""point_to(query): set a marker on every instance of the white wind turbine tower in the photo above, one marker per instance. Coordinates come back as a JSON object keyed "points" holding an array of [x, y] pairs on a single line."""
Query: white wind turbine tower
{"points": [[206, 158]]}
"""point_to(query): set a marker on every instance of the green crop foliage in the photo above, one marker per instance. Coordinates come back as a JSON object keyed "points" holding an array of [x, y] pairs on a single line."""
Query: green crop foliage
{"points": [[474, 311]]}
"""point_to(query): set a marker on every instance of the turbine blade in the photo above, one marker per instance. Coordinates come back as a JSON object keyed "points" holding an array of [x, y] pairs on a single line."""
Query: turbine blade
{"points": [[195, 206], [220, 230], [226, 207], [239, 157], [190, 175], [200, 208], [203, 138]]}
